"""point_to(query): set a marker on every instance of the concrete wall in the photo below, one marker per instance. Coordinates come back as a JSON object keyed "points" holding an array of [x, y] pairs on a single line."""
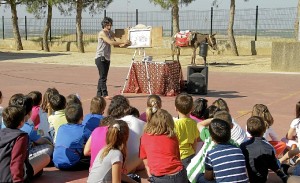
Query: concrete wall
{"points": [[285, 56], [160, 45]]}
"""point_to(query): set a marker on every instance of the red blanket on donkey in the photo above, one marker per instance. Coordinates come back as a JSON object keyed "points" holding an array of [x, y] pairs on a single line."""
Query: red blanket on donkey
{"points": [[183, 38]]}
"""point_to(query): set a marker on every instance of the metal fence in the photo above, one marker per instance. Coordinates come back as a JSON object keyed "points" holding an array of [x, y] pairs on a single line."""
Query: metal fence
{"points": [[269, 23]]}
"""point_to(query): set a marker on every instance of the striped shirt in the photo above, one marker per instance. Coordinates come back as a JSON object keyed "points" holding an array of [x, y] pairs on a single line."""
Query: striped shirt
{"points": [[227, 163], [197, 163]]}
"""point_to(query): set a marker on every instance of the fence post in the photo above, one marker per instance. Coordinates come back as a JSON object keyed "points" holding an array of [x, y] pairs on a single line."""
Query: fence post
{"points": [[25, 27], [211, 19], [171, 22], [104, 13], [256, 21], [3, 27], [136, 16]]}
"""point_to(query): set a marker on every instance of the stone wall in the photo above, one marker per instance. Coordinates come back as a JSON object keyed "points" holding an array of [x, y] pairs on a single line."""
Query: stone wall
{"points": [[285, 56]]}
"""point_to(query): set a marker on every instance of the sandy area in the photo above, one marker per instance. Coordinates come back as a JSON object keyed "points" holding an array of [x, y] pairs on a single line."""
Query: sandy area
{"points": [[254, 64]]}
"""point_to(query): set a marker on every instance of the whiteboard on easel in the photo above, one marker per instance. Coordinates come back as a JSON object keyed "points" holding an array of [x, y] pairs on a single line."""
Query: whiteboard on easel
{"points": [[140, 38]]}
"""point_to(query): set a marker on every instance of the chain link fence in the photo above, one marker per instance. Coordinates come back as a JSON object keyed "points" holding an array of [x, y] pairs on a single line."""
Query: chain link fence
{"points": [[270, 23]]}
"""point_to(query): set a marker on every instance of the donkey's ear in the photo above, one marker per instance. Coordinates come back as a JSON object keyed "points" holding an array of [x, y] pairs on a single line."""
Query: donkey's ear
{"points": [[214, 34]]}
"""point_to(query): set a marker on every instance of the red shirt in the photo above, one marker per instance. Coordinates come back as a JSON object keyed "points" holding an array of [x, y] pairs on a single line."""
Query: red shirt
{"points": [[162, 153]]}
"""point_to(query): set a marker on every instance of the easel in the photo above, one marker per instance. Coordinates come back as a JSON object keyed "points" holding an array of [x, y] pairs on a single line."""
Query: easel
{"points": [[144, 60]]}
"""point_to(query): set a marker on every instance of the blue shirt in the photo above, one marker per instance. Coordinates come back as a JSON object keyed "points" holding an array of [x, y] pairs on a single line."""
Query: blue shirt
{"points": [[70, 141], [32, 133], [227, 162], [92, 121]]}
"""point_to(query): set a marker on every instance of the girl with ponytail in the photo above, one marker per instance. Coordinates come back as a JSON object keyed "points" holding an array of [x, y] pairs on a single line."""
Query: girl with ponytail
{"points": [[109, 162], [159, 148]]}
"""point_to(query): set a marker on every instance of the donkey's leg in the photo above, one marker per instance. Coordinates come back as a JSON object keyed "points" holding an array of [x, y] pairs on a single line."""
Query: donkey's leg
{"points": [[178, 53], [193, 57]]}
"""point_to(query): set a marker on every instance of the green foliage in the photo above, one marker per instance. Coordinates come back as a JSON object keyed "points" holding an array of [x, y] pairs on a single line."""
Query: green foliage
{"points": [[166, 4], [39, 8], [66, 7]]}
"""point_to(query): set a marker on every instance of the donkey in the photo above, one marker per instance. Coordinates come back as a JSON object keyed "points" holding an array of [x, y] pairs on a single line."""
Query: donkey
{"points": [[195, 40]]}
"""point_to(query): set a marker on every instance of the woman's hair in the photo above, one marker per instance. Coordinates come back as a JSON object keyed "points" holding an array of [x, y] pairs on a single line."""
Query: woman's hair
{"points": [[200, 105], [221, 104], [0, 95], [36, 97], [262, 111], [297, 109], [116, 138], [159, 122], [98, 105], [154, 100], [73, 99], [106, 21], [118, 107], [47, 95], [134, 112]]}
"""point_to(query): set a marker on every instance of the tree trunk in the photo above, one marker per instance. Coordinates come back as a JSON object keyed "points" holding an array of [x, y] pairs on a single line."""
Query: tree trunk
{"points": [[17, 37], [230, 29], [297, 22], [47, 27], [175, 18], [78, 26]]}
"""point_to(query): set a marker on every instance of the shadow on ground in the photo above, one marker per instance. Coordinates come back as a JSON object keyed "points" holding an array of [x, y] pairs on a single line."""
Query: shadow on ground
{"points": [[226, 64], [15, 56], [222, 94]]}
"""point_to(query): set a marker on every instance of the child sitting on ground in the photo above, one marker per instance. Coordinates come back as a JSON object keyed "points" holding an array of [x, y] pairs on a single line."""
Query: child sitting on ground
{"points": [[259, 154], [58, 104], [159, 148], [37, 100], [13, 146], [262, 111], [200, 105], [45, 111], [37, 144], [97, 140], [152, 101], [237, 133], [70, 141], [97, 107], [186, 128], [197, 167], [231, 167], [109, 162]]}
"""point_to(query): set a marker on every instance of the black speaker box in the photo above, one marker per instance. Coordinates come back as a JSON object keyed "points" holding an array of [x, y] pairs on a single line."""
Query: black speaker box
{"points": [[197, 79]]}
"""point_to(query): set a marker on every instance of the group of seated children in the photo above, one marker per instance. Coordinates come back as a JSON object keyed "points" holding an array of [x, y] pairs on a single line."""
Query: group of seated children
{"points": [[202, 144]]}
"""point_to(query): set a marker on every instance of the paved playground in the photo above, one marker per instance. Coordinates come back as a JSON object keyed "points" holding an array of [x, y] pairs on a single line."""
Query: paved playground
{"points": [[23, 72]]}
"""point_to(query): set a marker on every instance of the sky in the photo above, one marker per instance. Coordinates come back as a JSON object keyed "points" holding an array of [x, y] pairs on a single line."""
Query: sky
{"points": [[145, 5]]}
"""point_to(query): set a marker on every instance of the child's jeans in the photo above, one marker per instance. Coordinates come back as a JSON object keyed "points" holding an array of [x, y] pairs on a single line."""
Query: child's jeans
{"points": [[180, 177]]}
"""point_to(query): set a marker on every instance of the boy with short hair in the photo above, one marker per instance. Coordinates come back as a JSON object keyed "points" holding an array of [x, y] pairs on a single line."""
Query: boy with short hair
{"points": [[186, 128], [225, 162], [196, 168], [58, 105], [13, 146], [70, 141], [259, 153]]}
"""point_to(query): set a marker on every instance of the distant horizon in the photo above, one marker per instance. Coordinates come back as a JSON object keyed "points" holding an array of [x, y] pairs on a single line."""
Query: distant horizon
{"points": [[145, 5]]}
